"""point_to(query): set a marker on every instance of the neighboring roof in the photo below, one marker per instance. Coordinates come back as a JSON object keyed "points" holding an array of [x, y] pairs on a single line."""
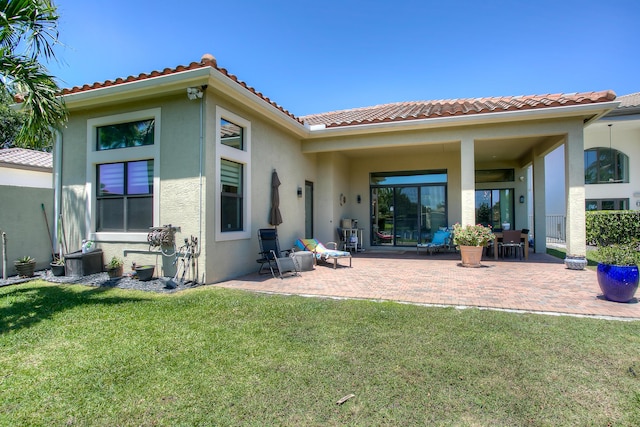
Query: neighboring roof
{"points": [[629, 104], [452, 107], [26, 159], [631, 100], [402, 111]]}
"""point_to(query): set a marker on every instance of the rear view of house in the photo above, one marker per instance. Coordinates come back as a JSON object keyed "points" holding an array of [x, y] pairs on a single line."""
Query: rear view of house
{"points": [[195, 147]]}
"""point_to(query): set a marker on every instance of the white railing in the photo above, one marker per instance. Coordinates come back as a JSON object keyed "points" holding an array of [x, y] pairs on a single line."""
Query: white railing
{"points": [[556, 228]]}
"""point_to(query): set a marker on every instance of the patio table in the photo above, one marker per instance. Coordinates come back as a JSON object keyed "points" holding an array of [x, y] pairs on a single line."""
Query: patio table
{"points": [[499, 235]]}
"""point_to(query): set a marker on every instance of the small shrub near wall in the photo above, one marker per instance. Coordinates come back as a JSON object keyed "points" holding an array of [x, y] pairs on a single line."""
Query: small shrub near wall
{"points": [[609, 227]]}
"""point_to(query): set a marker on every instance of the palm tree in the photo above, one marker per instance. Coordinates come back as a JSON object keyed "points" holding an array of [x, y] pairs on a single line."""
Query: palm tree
{"points": [[30, 25]]}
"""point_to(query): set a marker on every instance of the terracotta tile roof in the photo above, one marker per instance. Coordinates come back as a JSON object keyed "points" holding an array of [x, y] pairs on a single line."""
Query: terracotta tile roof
{"points": [[381, 113], [26, 158], [451, 107], [631, 100], [207, 60]]}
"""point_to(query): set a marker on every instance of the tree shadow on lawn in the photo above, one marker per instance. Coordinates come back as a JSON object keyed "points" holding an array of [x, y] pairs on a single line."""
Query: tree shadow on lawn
{"points": [[31, 303]]}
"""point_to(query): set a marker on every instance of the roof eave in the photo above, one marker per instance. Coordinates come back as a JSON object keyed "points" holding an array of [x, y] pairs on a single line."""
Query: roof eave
{"points": [[25, 167], [250, 100], [136, 89], [175, 82], [589, 113]]}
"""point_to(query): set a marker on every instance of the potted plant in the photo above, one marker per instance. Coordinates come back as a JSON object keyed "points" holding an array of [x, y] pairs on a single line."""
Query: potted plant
{"points": [[471, 239], [114, 268], [618, 271], [144, 272], [26, 266], [57, 267]]}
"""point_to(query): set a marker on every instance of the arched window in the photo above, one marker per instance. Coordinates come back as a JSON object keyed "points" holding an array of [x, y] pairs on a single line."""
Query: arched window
{"points": [[605, 165]]}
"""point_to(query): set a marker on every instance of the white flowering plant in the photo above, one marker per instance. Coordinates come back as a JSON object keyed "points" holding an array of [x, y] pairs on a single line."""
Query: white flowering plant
{"points": [[472, 235]]}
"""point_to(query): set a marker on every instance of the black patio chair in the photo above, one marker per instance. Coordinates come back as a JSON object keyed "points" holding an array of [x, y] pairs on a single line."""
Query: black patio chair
{"points": [[271, 256]]}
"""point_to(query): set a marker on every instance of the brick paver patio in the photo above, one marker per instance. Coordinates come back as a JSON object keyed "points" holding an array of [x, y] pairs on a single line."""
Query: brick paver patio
{"points": [[541, 284]]}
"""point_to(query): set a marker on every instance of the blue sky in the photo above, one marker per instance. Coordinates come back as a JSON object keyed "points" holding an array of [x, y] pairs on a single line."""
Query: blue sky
{"points": [[313, 57]]}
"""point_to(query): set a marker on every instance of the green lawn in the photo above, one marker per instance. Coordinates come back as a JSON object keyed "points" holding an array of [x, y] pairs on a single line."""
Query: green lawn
{"points": [[75, 355]]}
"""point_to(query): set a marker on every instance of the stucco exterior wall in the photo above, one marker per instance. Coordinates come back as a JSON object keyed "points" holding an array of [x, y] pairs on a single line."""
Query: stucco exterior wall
{"points": [[179, 180], [25, 178], [22, 219], [271, 148]]}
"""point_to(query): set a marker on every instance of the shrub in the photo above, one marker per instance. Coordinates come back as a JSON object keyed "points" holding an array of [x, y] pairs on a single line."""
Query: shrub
{"points": [[472, 235], [604, 228]]}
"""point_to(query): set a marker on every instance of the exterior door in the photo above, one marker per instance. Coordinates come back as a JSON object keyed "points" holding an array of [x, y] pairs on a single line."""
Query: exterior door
{"points": [[308, 210]]}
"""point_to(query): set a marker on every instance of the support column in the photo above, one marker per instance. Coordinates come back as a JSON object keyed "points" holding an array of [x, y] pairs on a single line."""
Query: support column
{"points": [[574, 190], [467, 182], [539, 205]]}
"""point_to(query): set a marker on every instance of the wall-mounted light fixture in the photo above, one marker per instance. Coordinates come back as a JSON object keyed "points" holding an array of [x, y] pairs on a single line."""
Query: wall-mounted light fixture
{"points": [[521, 199], [299, 192], [521, 178], [359, 199]]}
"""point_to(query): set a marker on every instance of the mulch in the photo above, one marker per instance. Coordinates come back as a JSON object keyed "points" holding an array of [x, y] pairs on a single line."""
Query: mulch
{"points": [[102, 280]]}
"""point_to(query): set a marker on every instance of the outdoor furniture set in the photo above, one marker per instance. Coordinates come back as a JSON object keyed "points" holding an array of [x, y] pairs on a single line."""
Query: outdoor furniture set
{"points": [[301, 257]]}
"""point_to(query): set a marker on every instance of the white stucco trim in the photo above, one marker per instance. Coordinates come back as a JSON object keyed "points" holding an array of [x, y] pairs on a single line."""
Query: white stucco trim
{"points": [[239, 156], [18, 177], [95, 157]]}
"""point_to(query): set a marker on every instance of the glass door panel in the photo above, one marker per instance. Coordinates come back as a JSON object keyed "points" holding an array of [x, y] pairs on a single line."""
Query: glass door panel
{"points": [[495, 207], [382, 216], [406, 216], [433, 212]]}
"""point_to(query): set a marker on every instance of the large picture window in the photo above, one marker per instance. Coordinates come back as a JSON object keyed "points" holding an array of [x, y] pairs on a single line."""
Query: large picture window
{"points": [[605, 166], [125, 196], [123, 153], [233, 169]]}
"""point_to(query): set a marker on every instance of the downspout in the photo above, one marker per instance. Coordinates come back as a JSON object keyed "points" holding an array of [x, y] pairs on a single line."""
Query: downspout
{"points": [[195, 265], [57, 187], [201, 173]]}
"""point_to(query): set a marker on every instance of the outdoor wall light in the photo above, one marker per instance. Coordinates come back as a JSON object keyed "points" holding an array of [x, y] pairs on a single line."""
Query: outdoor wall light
{"points": [[299, 192], [359, 199], [521, 199]]}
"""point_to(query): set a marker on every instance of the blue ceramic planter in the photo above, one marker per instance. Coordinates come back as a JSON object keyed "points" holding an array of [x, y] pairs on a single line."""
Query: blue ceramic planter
{"points": [[618, 282]]}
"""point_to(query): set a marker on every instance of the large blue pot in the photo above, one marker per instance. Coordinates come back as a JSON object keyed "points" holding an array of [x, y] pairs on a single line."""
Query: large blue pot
{"points": [[618, 283]]}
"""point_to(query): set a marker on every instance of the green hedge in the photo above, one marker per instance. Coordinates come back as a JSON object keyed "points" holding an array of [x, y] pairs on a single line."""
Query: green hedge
{"points": [[608, 227]]}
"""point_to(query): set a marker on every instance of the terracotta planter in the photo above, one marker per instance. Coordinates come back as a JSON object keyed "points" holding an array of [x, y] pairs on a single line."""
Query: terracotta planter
{"points": [[25, 269], [471, 255]]}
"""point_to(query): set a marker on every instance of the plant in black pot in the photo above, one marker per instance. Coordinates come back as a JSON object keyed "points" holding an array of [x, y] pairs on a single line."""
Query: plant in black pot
{"points": [[25, 266], [114, 267], [618, 271], [57, 267], [144, 272]]}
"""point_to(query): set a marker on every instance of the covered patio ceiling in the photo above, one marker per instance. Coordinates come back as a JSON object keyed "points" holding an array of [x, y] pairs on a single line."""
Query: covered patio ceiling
{"points": [[486, 151]]}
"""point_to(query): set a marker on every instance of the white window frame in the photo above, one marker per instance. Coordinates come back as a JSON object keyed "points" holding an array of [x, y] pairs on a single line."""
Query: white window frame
{"points": [[95, 157], [239, 156]]}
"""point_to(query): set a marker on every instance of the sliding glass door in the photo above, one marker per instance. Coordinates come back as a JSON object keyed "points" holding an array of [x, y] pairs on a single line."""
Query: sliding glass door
{"points": [[495, 207], [407, 207]]}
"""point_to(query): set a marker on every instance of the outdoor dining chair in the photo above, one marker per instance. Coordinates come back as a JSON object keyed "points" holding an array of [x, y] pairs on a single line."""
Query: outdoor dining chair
{"points": [[511, 240]]}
